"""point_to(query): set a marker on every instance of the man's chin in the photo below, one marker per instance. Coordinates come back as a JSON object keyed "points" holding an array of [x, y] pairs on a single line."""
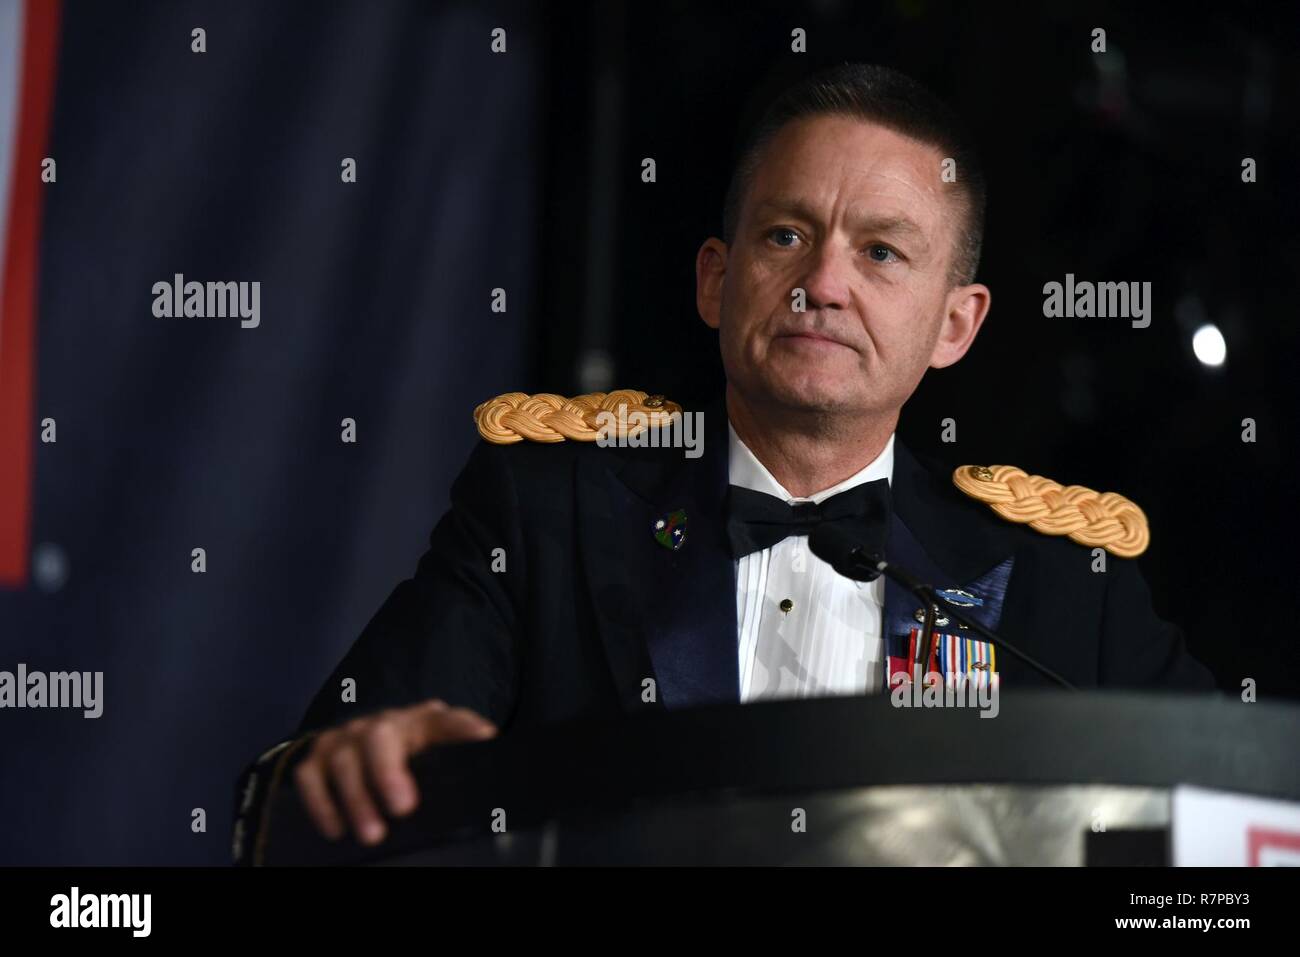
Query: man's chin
{"points": [[813, 396], [831, 384]]}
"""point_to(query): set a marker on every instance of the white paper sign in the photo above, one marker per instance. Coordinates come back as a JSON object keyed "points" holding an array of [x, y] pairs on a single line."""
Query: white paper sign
{"points": [[1221, 829]]}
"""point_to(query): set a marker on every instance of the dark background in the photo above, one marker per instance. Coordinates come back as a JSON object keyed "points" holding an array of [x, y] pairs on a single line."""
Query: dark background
{"points": [[523, 171]]}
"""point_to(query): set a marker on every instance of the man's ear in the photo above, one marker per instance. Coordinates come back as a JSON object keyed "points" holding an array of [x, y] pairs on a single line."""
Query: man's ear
{"points": [[965, 309], [710, 269]]}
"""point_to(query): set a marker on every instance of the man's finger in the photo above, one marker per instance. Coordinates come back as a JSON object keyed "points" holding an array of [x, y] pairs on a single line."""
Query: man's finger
{"points": [[347, 773], [314, 791], [385, 754], [426, 729]]}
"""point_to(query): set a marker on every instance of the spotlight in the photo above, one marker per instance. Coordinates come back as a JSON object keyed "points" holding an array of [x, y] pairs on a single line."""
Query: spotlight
{"points": [[1208, 345]]}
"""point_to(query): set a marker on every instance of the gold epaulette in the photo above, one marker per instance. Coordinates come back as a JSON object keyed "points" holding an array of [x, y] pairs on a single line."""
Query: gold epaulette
{"points": [[1105, 519], [545, 417]]}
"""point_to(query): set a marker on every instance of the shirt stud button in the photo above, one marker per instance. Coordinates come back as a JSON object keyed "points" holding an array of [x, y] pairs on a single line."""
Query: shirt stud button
{"points": [[786, 605]]}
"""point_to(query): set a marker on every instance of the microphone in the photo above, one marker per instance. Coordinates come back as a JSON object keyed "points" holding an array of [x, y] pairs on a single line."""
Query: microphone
{"points": [[850, 558], [844, 553]]}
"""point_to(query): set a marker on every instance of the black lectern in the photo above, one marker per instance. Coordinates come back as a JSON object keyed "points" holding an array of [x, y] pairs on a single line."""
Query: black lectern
{"points": [[1054, 778]]}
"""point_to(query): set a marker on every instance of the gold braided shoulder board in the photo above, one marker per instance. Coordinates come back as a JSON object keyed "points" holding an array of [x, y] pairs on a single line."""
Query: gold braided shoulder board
{"points": [[545, 417], [1105, 519]]}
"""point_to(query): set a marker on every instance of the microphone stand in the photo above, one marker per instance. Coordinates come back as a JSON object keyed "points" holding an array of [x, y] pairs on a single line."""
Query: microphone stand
{"points": [[931, 599]]}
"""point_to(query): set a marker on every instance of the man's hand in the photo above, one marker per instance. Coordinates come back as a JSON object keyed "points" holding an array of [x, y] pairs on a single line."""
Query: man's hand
{"points": [[367, 758]]}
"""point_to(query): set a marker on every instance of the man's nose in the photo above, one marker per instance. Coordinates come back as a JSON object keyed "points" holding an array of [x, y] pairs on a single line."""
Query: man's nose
{"points": [[826, 282]]}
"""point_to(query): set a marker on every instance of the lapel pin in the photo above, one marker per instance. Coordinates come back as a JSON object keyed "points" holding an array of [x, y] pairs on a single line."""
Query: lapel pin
{"points": [[963, 599], [670, 531]]}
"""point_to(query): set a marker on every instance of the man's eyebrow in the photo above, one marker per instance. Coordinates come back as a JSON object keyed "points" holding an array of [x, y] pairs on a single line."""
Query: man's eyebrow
{"points": [[790, 207], [897, 225], [900, 226]]}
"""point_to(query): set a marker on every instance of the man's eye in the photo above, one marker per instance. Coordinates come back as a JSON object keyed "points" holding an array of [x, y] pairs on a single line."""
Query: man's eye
{"points": [[881, 254], [784, 237]]}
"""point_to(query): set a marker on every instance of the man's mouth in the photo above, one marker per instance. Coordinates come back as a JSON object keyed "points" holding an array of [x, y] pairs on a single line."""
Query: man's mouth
{"points": [[809, 336]]}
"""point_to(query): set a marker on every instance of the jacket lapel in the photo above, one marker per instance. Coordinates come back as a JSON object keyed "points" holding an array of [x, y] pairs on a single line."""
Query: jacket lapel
{"points": [[938, 539], [664, 614]]}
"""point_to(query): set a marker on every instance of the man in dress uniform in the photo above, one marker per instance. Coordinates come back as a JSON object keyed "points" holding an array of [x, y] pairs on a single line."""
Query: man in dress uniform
{"points": [[574, 578]]}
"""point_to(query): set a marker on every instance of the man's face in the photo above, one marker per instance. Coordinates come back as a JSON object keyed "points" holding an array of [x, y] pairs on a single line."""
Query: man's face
{"points": [[857, 217]]}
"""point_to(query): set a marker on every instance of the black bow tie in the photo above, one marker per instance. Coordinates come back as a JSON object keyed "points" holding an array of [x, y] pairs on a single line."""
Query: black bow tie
{"points": [[756, 521]]}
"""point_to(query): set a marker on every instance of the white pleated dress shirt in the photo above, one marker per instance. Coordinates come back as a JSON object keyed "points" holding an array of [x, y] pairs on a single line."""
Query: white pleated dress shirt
{"points": [[830, 641]]}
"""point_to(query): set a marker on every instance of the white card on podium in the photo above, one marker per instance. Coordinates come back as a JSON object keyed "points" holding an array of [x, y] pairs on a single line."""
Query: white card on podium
{"points": [[1222, 829]]}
